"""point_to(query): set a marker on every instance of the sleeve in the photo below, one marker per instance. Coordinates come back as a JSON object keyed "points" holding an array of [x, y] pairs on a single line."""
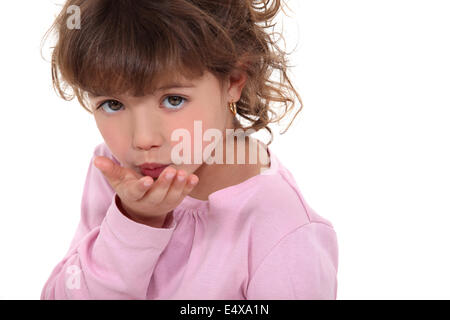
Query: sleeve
{"points": [[301, 266], [110, 256]]}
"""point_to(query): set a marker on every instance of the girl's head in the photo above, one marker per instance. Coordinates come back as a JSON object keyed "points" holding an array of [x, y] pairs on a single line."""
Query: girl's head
{"points": [[125, 51]]}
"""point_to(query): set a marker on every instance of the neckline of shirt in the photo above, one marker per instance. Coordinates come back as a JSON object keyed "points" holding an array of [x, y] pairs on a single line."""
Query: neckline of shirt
{"points": [[194, 203]]}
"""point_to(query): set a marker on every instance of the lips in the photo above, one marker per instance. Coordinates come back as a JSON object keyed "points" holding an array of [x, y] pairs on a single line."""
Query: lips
{"points": [[152, 169], [152, 165]]}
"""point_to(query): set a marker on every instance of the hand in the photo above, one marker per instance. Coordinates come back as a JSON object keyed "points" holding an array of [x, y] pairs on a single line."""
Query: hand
{"points": [[146, 204]]}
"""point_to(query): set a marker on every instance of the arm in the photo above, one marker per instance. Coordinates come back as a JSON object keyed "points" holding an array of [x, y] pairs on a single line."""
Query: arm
{"points": [[302, 265], [111, 256]]}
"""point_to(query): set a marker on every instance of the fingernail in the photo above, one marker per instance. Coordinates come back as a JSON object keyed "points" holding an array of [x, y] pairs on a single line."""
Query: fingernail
{"points": [[170, 175], [147, 182]]}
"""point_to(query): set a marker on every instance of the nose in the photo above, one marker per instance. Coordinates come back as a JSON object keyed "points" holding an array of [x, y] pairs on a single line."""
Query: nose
{"points": [[146, 132]]}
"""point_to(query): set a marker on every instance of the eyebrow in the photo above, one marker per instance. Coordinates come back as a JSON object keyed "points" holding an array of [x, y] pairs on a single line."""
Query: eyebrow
{"points": [[165, 87]]}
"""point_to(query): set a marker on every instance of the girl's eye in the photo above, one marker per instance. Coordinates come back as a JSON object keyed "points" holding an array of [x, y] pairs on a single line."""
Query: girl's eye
{"points": [[114, 103], [174, 102]]}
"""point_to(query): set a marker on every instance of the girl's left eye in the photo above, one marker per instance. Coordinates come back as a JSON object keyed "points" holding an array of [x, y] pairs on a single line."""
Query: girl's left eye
{"points": [[175, 102]]}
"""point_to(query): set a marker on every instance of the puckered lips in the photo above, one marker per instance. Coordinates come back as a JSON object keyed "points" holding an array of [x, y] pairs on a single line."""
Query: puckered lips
{"points": [[152, 169]]}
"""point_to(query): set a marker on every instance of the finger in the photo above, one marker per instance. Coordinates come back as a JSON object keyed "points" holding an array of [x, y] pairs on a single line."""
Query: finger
{"points": [[136, 189], [190, 185], [112, 172], [174, 193], [159, 189]]}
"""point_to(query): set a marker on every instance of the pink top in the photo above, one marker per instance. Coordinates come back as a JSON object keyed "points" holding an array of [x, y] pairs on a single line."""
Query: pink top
{"points": [[255, 240]]}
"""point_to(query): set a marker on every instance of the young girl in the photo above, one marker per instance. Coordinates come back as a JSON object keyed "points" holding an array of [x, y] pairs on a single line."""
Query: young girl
{"points": [[162, 219]]}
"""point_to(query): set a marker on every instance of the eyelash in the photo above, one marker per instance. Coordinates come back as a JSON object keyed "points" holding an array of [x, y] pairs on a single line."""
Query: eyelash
{"points": [[184, 100]]}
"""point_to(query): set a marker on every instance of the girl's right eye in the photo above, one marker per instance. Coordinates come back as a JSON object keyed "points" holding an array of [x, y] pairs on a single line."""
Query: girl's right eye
{"points": [[107, 102]]}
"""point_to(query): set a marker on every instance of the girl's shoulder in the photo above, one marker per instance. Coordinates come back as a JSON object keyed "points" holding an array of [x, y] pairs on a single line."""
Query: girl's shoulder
{"points": [[276, 199], [274, 208]]}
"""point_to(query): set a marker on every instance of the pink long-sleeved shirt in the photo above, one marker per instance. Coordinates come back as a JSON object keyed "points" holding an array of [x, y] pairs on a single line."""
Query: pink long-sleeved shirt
{"points": [[255, 240]]}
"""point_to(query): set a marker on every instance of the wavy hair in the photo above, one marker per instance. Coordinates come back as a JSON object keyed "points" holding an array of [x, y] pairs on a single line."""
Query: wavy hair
{"points": [[128, 46]]}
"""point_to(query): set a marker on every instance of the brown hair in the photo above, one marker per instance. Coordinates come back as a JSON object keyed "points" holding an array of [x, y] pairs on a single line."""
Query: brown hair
{"points": [[127, 46]]}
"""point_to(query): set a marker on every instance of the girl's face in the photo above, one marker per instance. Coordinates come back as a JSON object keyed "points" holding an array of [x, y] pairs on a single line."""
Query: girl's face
{"points": [[139, 129]]}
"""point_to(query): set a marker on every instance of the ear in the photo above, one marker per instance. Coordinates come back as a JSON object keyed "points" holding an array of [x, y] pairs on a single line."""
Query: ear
{"points": [[237, 81]]}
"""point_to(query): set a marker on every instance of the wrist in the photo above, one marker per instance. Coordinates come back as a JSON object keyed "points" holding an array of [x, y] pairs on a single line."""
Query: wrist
{"points": [[155, 222]]}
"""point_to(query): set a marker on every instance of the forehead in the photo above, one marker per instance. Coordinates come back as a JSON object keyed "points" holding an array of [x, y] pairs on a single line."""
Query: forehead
{"points": [[166, 86], [165, 82]]}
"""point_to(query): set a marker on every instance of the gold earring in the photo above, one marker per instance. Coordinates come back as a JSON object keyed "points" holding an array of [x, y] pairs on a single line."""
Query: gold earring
{"points": [[232, 107]]}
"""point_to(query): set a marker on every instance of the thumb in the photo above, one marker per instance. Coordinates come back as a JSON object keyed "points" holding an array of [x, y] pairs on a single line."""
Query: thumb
{"points": [[102, 163], [113, 172]]}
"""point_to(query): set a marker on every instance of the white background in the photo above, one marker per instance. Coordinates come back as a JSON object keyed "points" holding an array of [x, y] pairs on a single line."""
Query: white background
{"points": [[369, 150]]}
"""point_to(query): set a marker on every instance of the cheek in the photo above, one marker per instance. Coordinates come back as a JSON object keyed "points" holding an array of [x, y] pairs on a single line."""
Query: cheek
{"points": [[195, 124], [108, 131], [114, 139]]}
